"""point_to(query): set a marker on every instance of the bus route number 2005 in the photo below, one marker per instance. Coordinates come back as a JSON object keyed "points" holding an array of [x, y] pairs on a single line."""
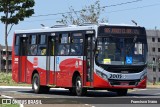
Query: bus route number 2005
{"points": [[115, 76]]}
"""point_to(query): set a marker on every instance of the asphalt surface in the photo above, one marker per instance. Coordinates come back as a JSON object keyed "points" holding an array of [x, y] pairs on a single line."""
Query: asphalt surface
{"points": [[94, 98]]}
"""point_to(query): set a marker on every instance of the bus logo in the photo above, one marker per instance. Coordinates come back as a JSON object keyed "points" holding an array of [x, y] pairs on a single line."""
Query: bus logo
{"points": [[57, 60], [6, 101], [35, 62], [76, 64]]}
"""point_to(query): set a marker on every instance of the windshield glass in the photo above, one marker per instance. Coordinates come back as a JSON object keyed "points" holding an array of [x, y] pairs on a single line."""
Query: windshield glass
{"points": [[121, 51]]}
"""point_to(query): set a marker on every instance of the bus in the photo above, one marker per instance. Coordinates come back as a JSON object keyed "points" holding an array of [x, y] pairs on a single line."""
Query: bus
{"points": [[81, 58]]}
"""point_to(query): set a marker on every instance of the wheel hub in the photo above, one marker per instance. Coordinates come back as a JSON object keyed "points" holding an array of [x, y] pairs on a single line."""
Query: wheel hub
{"points": [[35, 83], [78, 85]]}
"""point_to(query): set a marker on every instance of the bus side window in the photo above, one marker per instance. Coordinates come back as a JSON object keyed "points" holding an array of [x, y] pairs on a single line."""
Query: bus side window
{"points": [[63, 49], [42, 50], [17, 41], [63, 44], [32, 47], [76, 44]]}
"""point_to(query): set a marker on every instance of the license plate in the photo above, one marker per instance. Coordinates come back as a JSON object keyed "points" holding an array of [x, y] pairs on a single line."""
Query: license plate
{"points": [[124, 83]]}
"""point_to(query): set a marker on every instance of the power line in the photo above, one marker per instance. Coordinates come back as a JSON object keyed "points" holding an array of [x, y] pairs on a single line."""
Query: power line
{"points": [[114, 11], [113, 5]]}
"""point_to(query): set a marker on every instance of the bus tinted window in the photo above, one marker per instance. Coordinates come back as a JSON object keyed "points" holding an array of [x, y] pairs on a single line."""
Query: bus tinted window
{"points": [[33, 39], [32, 50], [16, 50], [42, 39], [76, 44], [17, 40], [42, 50], [76, 49], [63, 49], [65, 38]]}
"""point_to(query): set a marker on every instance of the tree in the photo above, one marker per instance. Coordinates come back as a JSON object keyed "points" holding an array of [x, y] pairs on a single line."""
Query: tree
{"points": [[14, 11], [89, 14]]}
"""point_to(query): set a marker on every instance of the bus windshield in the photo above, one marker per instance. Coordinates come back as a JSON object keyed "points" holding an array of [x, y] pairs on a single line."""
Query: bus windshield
{"points": [[113, 50]]}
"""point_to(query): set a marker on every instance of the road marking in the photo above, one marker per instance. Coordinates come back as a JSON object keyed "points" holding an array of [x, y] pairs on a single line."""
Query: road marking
{"points": [[6, 96], [17, 87], [156, 94], [21, 105], [22, 87]]}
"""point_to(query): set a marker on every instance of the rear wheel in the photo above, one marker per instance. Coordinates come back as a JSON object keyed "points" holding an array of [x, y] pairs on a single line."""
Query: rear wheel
{"points": [[37, 88], [122, 92]]}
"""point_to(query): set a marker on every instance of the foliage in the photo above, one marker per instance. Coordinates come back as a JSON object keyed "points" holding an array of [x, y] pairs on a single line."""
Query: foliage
{"points": [[89, 14], [13, 12], [16, 10], [6, 80]]}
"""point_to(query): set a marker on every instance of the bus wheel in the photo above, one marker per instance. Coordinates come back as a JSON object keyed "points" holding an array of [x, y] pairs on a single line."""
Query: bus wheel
{"points": [[122, 92], [36, 84], [78, 87]]}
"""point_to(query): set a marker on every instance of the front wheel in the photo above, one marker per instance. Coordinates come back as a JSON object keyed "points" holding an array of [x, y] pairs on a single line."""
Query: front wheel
{"points": [[78, 87]]}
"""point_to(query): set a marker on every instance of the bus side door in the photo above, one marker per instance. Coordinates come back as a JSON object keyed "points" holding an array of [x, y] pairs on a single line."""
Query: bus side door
{"points": [[89, 53], [22, 62], [50, 62]]}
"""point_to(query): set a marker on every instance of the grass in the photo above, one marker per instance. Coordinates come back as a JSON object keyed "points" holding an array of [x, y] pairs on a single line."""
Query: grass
{"points": [[6, 80], [9, 105], [156, 83]]}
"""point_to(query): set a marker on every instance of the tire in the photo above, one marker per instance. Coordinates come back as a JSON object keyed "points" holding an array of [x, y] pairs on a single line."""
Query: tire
{"points": [[78, 89], [36, 83], [122, 92], [37, 88]]}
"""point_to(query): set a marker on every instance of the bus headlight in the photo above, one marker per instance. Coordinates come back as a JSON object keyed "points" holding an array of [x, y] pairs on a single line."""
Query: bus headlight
{"points": [[143, 76], [99, 73]]}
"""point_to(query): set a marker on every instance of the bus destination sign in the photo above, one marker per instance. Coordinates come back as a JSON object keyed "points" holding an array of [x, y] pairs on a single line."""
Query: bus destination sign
{"points": [[121, 31]]}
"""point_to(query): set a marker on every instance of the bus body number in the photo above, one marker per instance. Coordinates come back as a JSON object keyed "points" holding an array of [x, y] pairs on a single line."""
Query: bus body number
{"points": [[115, 76]]}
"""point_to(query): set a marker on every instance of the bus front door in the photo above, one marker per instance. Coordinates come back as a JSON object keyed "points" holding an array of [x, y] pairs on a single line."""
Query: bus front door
{"points": [[22, 64], [89, 46], [50, 62]]}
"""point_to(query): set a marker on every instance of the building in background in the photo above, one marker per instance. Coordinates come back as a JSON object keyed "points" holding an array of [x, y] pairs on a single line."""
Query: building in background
{"points": [[153, 39], [3, 58]]}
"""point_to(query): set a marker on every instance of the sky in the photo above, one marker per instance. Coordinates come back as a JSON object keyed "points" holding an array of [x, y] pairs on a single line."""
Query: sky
{"points": [[145, 12]]}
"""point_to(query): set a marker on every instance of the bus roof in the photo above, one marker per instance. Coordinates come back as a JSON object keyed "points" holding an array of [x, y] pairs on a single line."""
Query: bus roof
{"points": [[70, 28], [56, 29]]}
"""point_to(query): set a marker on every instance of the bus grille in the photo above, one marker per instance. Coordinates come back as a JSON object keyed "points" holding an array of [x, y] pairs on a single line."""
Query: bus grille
{"points": [[124, 82]]}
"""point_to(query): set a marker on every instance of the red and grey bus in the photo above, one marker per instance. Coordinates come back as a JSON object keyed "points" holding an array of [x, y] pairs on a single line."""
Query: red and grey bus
{"points": [[81, 58]]}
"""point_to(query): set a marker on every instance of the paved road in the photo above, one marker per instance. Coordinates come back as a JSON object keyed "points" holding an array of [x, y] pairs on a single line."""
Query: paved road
{"points": [[97, 96]]}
